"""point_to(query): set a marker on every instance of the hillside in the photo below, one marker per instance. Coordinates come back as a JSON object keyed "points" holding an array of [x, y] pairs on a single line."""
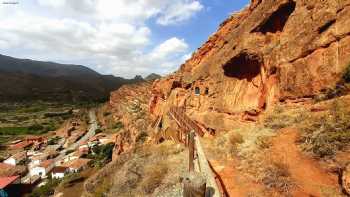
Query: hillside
{"points": [[270, 91], [24, 79]]}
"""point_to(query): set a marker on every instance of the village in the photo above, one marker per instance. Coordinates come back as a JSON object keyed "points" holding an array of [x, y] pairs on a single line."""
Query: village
{"points": [[37, 159]]}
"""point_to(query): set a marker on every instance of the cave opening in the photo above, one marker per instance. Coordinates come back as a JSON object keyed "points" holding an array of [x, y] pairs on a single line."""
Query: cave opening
{"points": [[277, 20], [243, 66], [326, 26], [197, 91]]}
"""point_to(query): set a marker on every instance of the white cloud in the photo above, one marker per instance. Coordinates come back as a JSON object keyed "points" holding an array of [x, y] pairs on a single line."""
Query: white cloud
{"points": [[111, 36], [169, 48], [179, 12]]}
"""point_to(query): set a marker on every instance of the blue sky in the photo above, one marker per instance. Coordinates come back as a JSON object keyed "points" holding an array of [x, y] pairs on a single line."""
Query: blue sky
{"points": [[119, 37], [197, 30]]}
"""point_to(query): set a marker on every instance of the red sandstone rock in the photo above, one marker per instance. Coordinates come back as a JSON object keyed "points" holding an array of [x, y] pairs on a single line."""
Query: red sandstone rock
{"points": [[270, 51]]}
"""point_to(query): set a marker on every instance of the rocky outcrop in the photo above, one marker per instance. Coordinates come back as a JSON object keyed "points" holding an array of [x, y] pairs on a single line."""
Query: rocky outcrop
{"points": [[346, 179], [271, 51], [129, 106]]}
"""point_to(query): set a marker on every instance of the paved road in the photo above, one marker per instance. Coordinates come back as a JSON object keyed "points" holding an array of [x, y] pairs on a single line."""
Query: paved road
{"points": [[91, 132]]}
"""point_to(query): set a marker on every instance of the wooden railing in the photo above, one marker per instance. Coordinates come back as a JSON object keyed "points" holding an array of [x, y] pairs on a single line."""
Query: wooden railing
{"points": [[189, 134]]}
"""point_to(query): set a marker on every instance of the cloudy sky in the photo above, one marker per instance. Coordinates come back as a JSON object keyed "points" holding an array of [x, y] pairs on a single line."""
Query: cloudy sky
{"points": [[119, 37]]}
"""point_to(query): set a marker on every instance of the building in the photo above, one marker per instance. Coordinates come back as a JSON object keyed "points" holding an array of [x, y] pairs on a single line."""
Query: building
{"points": [[21, 145], [35, 139], [77, 165], [16, 158], [9, 186], [37, 159], [42, 169], [59, 172], [7, 170]]}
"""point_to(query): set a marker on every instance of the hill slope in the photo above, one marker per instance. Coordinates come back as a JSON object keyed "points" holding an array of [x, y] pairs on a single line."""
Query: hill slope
{"points": [[24, 79]]}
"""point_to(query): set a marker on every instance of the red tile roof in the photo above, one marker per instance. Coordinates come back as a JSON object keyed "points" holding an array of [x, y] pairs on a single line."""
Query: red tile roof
{"points": [[47, 163], [21, 145], [5, 181], [59, 169]]}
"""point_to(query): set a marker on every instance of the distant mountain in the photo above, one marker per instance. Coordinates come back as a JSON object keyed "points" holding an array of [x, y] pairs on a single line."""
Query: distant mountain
{"points": [[24, 79], [152, 77]]}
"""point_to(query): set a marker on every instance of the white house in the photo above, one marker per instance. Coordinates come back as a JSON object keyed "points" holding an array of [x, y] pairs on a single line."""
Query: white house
{"points": [[59, 172], [16, 158], [42, 169]]}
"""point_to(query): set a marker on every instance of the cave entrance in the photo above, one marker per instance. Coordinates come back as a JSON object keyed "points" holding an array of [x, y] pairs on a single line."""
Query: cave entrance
{"points": [[277, 20], [197, 91], [243, 66]]}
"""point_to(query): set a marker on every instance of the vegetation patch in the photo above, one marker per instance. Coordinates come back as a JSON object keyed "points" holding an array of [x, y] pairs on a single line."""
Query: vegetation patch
{"points": [[281, 116], [140, 173], [46, 190], [325, 135], [101, 154], [117, 126], [277, 176]]}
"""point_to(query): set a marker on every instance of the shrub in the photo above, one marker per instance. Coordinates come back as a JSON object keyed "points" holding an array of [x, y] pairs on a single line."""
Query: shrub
{"points": [[102, 154], [277, 176], [46, 190], [326, 135], [141, 138], [281, 117], [70, 179], [117, 126]]}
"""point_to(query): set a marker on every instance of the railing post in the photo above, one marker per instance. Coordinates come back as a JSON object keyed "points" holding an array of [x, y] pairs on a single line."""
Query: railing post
{"points": [[191, 151], [194, 185]]}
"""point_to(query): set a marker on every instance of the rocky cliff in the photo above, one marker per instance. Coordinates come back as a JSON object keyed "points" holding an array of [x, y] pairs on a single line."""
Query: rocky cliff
{"points": [[128, 107], [271, 51]]}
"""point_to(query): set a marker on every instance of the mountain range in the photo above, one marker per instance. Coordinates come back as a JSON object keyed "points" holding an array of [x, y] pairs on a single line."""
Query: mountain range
{"points": [[25, 79]]}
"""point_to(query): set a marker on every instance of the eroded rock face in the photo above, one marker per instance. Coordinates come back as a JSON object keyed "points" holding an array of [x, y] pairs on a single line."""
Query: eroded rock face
{"points": [[271, 51], [346, 179], [129, 105]]}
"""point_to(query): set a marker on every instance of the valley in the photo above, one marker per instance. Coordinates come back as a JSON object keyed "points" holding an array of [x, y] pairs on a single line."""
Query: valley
{"points": [[262, 109]]}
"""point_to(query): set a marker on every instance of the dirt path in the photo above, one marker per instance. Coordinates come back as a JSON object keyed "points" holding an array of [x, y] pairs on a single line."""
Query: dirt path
{"points": [[234, 182], [310, 178]]}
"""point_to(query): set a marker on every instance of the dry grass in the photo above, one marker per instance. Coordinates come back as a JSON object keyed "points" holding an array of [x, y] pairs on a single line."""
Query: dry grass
{"points": [[326, 135], [283, 116], [225, 146], [155, 175], [277, 176], [147, 169]]}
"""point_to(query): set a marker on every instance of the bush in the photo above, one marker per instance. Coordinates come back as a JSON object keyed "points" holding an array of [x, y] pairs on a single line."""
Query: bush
{"points": [[117, 126], [141, 138], [281, 117], [277, 176], [101, 154], [70, 179], [53, 141], [46, 190], [326, 135]]}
